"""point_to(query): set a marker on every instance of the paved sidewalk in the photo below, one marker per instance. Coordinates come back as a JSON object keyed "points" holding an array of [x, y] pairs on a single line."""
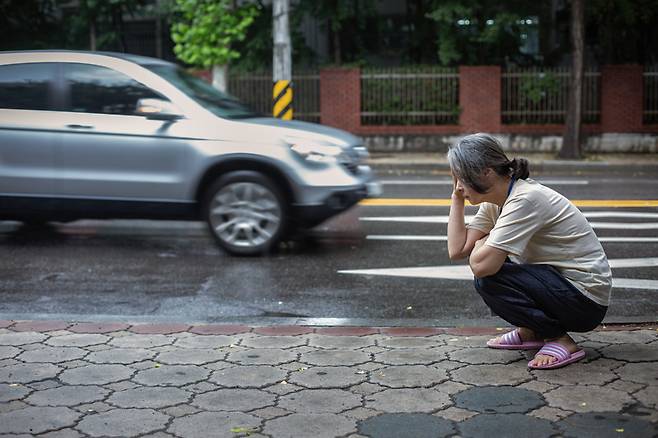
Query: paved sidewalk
{"points": [[64, 380]]}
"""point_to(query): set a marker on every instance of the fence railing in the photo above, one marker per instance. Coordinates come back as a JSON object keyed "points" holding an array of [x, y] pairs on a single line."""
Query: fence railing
{"points": [[541, 96], [410, 96], [255, 89], [650, 109]]}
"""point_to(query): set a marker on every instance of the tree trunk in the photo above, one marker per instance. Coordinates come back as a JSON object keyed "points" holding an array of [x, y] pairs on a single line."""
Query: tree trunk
{"points": [[92, 34], [336, 43], [220, 77], [571, 141]]}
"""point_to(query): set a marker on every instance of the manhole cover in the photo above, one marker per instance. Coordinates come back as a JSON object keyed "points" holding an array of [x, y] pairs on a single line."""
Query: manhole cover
{"points": [[606, 424], [403, 425], [499, 400]]}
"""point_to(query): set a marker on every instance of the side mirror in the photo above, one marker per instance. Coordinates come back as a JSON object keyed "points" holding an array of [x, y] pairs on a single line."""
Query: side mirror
{"points": [[157, 109]]}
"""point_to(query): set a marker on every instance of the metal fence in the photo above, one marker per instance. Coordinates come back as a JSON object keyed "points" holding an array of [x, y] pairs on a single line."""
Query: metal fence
{"points": [[541, 95], [650, 109], [255, 89], [410, 96]]}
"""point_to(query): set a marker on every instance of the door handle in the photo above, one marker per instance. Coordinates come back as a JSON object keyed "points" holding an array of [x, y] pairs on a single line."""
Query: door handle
{"points": [[75, 126]]}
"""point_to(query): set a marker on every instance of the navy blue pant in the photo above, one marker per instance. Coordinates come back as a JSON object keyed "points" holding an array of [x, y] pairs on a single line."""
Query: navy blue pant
{"points": [[538, 297]]}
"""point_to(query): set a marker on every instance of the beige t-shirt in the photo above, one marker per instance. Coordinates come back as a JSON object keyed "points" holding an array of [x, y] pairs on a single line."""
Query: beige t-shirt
{"points": [[539, 225]]}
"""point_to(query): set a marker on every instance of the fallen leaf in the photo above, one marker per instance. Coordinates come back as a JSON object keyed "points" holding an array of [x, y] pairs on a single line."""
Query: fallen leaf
{"points": [[583, 404], [409, 307], [247, 430], [360, 372], [13, 385], [283, 382], [619, 430], [157, 365]]}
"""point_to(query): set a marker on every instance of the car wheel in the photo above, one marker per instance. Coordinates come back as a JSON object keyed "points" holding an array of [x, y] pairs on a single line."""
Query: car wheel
{"points": [[245, 212]]}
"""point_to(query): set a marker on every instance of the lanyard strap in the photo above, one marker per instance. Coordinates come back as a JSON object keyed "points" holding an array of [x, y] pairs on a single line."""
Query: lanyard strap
{"points": [[509, 190]]}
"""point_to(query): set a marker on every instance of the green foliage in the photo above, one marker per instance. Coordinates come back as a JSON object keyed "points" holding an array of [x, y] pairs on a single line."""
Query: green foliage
{"points": [[27, 24], [538, 86], [205, 31]]}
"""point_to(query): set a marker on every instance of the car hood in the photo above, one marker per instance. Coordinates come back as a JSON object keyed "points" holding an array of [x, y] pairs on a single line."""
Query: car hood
{"points": [[308, 131]]}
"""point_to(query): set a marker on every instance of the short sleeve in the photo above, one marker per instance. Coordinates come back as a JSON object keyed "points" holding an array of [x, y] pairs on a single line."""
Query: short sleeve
{"points": [[485, 218], [518, 222]]}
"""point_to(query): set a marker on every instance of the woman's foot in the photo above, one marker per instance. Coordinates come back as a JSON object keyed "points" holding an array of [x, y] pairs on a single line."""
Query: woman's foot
{"points": [[518, 339], [542, 360]]}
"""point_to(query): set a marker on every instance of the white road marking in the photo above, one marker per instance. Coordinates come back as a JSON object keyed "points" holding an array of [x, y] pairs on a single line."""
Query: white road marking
{"points": [[463, 272], [444, 238]]}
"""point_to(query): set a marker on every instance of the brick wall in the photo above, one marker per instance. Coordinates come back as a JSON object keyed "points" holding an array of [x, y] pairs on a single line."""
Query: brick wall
{"points": [[340, 98], [621, 98]]}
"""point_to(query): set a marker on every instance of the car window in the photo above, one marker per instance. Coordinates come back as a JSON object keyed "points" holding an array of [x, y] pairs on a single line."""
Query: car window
{"points": [[221, 104], [27, 86], [96, 89]]}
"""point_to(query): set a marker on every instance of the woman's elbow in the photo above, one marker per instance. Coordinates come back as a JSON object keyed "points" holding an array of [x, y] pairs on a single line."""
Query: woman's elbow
{"points": [[457, 255], [481, 270]]}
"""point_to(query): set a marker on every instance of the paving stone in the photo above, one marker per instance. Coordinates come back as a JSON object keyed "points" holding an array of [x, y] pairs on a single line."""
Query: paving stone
{"points": [[283, 388], [346, 331], [172, 375], [492, 374], [631, 352], [485, 356], [469, 341], [155, 398], [455, 414], [402, 342], [622, 385], [476, 331], [73, 364], [4, 323], [64, 433], [77, 340], [212, 329], [141, 341], [238, 400], [320, 401], [180, 410], [200, 387], [123, 422], [21, 338], [96, 374], [256, 376], [327, 377], [39, 326], [406, 425], [14, 405], [506, 426], [158, 329], [549, 413], [190, 356], [8, 362], [498, 400], [538, 386], [366, 388], [67, 396], [123, 356], [340, 342], [12, 392], [262, 356], [213, 424], [33, 421], [99, 347], [45, 384], [53, 354], [94, 327], [158, 435], [623, 337], [274, 342], [647, 396], [639, 373], [310, 425], [121, 386], [334, 357], [406, 376], [270, 412], [361, 413], [407, 400], [583, 398], [411, 356], [411, 331], [449, 387], [28, 372], [606, 425], [283, 330], [598, 372], [206, 342]]}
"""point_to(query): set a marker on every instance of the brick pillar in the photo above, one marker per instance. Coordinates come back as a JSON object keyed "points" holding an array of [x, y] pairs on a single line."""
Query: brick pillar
{"points": [[480, 99], [621, 98], [340, 98]]}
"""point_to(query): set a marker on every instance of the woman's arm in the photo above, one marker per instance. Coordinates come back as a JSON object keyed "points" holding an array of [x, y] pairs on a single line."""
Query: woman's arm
{"points": [[460, 239], [486, 260]]}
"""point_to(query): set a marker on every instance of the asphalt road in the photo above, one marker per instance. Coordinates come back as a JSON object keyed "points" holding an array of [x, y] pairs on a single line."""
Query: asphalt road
{"points": [[364, 264]]}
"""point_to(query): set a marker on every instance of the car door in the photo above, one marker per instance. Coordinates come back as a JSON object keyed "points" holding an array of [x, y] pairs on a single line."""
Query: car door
{"points": [[106, 152], [26, 126]]}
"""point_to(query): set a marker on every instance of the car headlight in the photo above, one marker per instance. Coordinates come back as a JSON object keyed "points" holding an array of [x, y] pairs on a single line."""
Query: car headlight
{"points": [[317, 153]]}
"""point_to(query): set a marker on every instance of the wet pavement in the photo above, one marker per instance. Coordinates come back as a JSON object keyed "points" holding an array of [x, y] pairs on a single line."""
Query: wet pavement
{"points": [[62, 379]]}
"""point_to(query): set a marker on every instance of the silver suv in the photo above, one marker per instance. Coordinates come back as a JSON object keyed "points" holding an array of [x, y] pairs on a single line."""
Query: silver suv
{"points": [[108, 135]]}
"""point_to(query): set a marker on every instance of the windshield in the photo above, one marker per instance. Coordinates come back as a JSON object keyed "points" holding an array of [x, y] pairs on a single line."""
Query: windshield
{"points": [[221, 104]]}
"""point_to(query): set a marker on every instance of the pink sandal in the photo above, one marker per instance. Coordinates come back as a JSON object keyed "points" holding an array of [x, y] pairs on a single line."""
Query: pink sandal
{"points": [[512, 341], [559, 352]]}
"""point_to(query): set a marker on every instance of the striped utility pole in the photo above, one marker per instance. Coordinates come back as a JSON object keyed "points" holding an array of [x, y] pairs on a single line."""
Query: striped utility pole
{"points": [[282, 70]]}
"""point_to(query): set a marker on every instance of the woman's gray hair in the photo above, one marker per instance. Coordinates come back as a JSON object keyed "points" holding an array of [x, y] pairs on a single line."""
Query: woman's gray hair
{"points": [[475, 153]]}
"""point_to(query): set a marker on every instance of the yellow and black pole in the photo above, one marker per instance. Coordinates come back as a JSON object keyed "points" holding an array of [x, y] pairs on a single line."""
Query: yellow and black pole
{"points": [[281, 65]]}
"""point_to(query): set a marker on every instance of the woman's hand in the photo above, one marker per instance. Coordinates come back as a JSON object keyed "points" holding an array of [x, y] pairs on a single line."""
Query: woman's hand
{"points": [[457, 192]]}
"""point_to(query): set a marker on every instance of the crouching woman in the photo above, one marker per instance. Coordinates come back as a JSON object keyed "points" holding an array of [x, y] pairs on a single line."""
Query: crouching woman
{"points": [[536, 260]]}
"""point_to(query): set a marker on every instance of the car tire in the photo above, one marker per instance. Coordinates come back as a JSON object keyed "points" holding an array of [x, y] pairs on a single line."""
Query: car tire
{"points": [[246, 213]]}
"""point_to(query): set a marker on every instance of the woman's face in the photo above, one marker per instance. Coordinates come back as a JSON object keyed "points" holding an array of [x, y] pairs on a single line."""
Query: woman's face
{"points": [[472, 195]]}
